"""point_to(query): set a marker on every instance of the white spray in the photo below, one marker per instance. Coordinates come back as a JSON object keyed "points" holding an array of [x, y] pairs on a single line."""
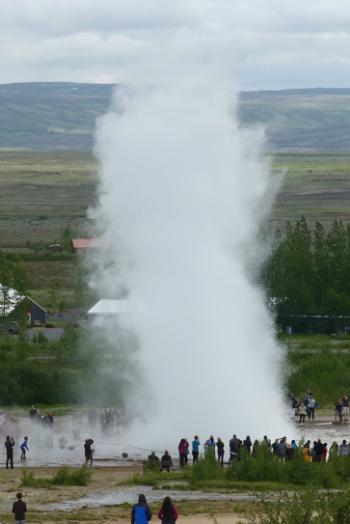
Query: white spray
{"points": [[183, 191]]}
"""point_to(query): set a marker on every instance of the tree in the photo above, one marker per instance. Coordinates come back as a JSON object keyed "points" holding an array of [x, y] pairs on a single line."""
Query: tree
{"points": [[322, 266], [14, 281], [290, 271]]}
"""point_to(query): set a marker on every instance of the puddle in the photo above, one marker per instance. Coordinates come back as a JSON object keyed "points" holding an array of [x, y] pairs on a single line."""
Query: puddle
{"points": [[129, 496], [63, 444]]}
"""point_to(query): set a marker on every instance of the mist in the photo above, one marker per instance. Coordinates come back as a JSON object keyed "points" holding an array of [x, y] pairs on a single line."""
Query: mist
{"points": [[183, 193]]}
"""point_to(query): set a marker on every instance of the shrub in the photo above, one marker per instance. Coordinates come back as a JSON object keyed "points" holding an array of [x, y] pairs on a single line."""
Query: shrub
{"points": [[311, 507], [30, 481], [72, 477], [264, 467], [63, 477], [207, 468]]}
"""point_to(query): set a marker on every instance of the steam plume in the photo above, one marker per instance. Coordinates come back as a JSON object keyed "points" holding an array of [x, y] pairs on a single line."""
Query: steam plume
{"points": [[183, 192]]}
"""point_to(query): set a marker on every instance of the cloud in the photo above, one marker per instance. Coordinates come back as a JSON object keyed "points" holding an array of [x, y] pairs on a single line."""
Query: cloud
{"points": [[266, 43]]}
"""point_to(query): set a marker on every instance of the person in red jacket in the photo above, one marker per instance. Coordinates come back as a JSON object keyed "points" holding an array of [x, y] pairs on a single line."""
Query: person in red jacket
{"points": [[168, 513], [183, 451]]}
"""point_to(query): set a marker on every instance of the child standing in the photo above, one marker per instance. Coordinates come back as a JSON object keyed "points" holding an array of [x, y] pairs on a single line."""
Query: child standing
{"points": [[19, 509], [24, 448]]}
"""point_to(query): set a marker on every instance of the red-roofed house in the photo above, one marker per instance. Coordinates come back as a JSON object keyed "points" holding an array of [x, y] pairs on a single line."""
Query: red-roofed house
{"points": [[84, 244]]}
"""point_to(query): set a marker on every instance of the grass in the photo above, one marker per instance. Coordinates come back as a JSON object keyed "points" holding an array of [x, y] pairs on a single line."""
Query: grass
{"points": [[183, 481], [319, 363], [311, 507], [44, 192], [63, 477], [112, 514], [315, 185], [297, 342], [263, 473]]}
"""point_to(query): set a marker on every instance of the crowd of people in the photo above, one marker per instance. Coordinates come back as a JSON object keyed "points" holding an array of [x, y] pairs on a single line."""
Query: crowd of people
{"points": [[304, 408], [342, 410], [38, 416], [109, 419], [282, 448], [140, 513]]}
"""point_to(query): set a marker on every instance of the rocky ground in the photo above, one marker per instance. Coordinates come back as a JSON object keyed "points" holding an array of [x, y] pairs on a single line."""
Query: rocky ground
{"points": [[59, 503]]}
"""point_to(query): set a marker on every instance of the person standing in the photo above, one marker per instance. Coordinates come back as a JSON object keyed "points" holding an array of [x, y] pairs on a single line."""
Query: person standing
{"points": [[152, 462], [307, 457], [33, 412], [168, 513], [319, 450], [345, 408], [19, 508], [195, 449], [294, 445], [187, 450], [9, 445], [141, 512], [234, 449], [339, 411], [166, 462], [88, 451], [183, 451], [209, 447], [24, 448], [344, 449], [289, 451], [333, 452], [247, 443], [302, 413], [311, 408], [221, 450], [281, 447]]}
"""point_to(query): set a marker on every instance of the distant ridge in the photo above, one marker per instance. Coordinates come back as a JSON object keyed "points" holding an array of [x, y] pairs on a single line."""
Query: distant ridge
{"points": [[61, 115], [303, 91]]}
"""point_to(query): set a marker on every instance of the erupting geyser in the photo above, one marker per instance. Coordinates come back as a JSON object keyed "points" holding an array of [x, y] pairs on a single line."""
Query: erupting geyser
{"points": [[183, 191]]}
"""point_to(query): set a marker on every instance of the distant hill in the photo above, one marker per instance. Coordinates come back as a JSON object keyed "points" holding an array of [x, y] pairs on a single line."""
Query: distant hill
{"points": [[46, 116], [302, 119]]}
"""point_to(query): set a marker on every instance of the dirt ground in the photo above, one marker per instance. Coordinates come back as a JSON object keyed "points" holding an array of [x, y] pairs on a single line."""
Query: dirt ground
{"points": [[103, 479]]}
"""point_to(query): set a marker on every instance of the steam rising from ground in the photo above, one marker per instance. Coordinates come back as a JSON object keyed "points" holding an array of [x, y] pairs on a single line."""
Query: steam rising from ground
{"points": [[183, 192]]}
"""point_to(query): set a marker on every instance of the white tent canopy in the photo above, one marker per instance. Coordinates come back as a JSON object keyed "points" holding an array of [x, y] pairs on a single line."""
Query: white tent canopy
{"points": [[107, 306]]}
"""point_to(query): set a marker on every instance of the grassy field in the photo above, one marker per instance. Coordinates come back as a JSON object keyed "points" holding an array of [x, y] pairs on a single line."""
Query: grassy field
{"points": [[314, 185], [42, 193]]}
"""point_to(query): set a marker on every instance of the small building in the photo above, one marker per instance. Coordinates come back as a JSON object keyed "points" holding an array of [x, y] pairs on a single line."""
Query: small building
{"points": [[80, 245], [20, 308]]}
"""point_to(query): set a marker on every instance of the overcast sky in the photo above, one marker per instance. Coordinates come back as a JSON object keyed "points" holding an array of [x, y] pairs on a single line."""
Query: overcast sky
{"points": [[262, 43]]}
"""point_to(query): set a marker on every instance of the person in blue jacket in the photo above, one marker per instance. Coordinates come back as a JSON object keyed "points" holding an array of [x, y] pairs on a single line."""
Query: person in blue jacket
{"points": [[24, 448], [141, 512]]}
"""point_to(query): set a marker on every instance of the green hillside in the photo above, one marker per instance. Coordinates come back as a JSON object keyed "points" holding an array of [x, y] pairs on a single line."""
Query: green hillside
{"points": [[306, 119], [47, 116], [51, 116]]}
